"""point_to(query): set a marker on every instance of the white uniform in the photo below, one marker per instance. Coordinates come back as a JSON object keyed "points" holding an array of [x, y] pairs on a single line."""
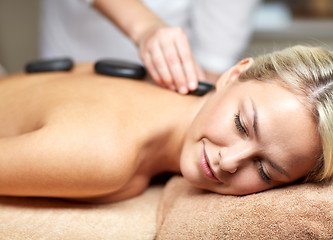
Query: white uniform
{"points": [[218, 30]]}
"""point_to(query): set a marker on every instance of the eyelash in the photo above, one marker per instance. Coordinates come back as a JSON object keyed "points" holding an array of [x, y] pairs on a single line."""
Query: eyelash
{"points": [[263, 174], [242, 130], [239, 125]]}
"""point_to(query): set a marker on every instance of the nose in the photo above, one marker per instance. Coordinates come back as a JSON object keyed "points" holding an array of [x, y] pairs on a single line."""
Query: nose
{"points": [[232, 158]]}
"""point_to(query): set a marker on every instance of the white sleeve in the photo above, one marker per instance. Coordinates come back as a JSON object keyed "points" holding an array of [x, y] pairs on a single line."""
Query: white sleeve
{"points": [[88, 2], [220, 31]]}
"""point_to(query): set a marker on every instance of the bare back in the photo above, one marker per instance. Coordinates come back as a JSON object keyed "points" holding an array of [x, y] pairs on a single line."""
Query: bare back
{"points": [[79, 134]]}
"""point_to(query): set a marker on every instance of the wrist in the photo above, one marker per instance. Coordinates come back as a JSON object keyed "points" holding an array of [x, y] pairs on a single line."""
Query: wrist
{"points": [[140, 32]]}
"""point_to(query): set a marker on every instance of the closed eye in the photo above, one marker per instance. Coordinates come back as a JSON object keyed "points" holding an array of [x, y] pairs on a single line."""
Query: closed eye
{"points": [[262, 173], [239, 125]]}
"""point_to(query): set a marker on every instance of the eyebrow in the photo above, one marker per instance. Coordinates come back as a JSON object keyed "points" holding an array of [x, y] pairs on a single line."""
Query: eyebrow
{"points": [[255, 119], [279, 169], [257, 134]]}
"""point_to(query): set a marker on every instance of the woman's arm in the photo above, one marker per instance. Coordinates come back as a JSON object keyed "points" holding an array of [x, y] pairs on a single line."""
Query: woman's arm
{"points": [[59, 162]]}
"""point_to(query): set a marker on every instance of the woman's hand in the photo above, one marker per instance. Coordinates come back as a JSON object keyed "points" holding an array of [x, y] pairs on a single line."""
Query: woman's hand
{"points": [[167, 55]]}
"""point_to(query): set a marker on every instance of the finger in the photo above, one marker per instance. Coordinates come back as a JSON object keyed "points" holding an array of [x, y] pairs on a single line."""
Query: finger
{"points": [[161, 66], [148, 62], [200, 73], [174, 65], [188, 62]]}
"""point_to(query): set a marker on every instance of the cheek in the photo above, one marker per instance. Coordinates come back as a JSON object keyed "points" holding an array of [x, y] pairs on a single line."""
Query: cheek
{"points": [[189, 162], [246, 183], [213, 121]]}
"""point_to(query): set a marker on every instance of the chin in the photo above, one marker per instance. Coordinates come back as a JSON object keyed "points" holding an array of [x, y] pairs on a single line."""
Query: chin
{"points": [[190, 170], [196, 184], [190, 173], [195, 179]]}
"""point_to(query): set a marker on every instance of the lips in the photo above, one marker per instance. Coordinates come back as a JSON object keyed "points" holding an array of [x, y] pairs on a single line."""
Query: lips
{"points": [[205, 166]]}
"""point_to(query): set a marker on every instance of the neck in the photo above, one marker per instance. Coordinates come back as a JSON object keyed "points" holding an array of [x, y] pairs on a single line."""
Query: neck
{"points": [[162, 151]]}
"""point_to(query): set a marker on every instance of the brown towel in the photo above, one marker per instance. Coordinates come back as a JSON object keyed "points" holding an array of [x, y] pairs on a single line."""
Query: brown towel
{"points": [[34, 219], [295, 212]]}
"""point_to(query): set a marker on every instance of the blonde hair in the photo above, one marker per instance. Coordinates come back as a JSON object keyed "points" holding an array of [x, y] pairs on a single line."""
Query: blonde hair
{"points": [[308, 72]]}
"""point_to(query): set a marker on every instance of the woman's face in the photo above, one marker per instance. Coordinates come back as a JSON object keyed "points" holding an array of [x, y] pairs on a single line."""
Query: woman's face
{"points": [[248, 137]]}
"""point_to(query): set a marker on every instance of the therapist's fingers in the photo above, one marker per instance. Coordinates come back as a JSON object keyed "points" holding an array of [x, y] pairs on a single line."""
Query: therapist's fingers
{"points": [[161, 66], [153, 58], [201, 75], [167, 55], [148, 62], [189, 66], [174, 63]]}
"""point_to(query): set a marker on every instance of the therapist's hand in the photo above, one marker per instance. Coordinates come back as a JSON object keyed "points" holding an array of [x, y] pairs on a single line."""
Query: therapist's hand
{"points": [[167, 55], [165, 50]]}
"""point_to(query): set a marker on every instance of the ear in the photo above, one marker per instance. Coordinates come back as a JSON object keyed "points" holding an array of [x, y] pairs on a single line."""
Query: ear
{"points": [[233, 73]]}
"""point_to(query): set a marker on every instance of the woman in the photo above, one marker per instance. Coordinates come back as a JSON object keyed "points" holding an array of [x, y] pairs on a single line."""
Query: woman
{"points": [[88, 137]]}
